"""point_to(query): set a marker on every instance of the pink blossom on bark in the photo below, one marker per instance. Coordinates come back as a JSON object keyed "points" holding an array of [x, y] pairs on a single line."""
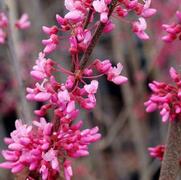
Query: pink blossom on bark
{"points": [[157, 152]]}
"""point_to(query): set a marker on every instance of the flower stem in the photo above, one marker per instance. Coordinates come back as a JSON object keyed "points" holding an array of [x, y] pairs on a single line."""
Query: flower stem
{"points": [[170, 164], [96, 36]]}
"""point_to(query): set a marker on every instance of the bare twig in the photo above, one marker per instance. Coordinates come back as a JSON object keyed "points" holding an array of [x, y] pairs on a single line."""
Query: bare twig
{"points": [[13, 49], [96, 36], [88, 18]]}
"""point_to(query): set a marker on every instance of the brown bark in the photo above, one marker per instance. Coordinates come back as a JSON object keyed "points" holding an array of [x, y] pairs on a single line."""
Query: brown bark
{"points": [[170, 164]]}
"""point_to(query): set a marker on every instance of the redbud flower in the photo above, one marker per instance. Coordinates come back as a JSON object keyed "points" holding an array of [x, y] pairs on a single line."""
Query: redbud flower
{"points": [[2, 36], [3, 20], [157, 152], [100, 6], [76, 13], [109, 27], [92, 87], [39, 93], [166, 97], [113, 75], [178, 14], [45, 148], [102, 66], [173, 30], [50, 44], [50, 30], [68, 170], [121, 12], [147, 11], [43, 67], [23, 22], [138, 27], [30, 146], [3, 26]]}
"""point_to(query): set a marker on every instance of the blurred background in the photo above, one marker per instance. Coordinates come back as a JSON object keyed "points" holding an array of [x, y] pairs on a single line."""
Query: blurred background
{"points": [[127, 130]]}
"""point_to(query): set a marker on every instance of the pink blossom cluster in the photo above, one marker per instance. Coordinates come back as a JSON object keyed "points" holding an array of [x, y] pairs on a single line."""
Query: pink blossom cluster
{"points": [[166, 97], [40, 147], [157, 152], [142, 10], [75, 21], [173, 30], [22, 23], [45, 147]]}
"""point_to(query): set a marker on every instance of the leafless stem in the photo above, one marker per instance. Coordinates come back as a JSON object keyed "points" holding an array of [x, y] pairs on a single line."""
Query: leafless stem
{"points": [[88, 19], [96, 36], [170, 164], [13, 48]]}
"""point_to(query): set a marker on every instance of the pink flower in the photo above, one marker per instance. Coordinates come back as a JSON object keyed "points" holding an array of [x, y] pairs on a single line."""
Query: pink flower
{"points": [[73, 45], [131, 4], [147, 11], [166, 98], [113, 75], [50, 30], [63, 23], [101, 7], [74, 16], [178, 14], [173, 30], [76, 13], [109, 27], [82, 39], [23, 22], [138, 27], [121, 12], [3, 20], [50, 44], [51, 156], [92, 87], [43, 67], [3, 26], [102, 66], [63, 96], [70, 5], [157, 152], [2, 36], [89, 102], [68, 170], [39, 93], [30, 146]]}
